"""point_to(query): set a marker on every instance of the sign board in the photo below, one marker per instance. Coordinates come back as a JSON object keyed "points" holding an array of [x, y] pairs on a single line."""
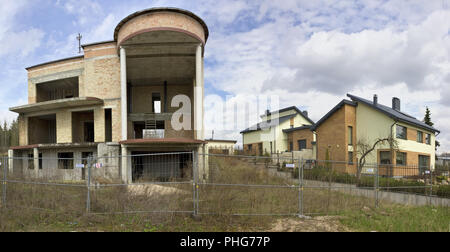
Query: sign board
{"points": [[290, 165], [370, 170], [98, 165], [427, 172], [79, 165]]}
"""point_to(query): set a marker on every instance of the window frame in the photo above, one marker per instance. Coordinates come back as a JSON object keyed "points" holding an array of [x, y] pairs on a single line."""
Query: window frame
{"points": [[350, 156], [299, 146], [350, 135], [405, 158], [67, 163], [421, 136], [428, 138], [404, 136]]}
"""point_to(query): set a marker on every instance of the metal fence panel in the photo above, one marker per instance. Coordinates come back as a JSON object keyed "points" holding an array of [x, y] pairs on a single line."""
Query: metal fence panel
{"points": [[204, 184]]}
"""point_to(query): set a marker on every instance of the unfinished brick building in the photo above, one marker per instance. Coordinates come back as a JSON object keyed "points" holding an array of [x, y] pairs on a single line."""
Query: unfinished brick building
{"points": [[116, 99]]}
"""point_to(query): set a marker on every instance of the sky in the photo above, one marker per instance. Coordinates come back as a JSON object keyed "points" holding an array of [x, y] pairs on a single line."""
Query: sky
{"points": [[310, 54]]}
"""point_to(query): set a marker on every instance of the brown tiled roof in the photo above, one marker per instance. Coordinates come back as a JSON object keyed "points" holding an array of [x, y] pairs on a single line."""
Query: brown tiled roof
{"points": [[163, 140]]}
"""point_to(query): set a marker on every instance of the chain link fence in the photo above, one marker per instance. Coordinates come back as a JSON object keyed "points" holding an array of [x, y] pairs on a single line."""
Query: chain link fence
{"points": [[210, 184]]}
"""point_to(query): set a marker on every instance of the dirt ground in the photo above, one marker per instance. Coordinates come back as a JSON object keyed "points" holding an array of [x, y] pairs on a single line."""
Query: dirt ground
{"points": [[316, 224]]}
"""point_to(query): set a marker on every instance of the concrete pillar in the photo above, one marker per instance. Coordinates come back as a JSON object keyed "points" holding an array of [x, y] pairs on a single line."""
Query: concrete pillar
{"points": [[10, 160], [198, 94], [124, 165], [36, 161], [123, 87]]}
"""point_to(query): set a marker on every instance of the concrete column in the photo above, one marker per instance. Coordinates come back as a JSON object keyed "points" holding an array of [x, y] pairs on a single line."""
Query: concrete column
{"points": [[198, 94], [10, 161], [36, 161], [124, 165], [123, 87]]}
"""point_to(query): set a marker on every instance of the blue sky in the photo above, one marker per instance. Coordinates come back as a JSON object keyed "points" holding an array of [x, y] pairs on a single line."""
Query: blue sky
{"points": [[309, 53]]}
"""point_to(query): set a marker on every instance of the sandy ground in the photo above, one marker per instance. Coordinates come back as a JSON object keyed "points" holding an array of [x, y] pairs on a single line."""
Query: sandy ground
{"points": [[152, 190], [316, 224]]}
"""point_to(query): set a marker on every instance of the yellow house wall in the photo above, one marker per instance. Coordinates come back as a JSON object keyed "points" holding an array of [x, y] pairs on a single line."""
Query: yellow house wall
{"points": [[414, 146], [372, 124]]}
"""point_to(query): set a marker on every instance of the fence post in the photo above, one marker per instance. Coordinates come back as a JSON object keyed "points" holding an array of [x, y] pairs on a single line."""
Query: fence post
{"points": [[88, 198], [195, 183], [301, 188], [431, 185], [5, 162], [376, 186]]}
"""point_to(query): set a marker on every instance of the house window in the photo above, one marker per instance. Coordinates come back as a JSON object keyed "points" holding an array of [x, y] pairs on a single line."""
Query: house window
{"points": [[385, 157], [424, 163], [40, 161], [350, 157], [249, 147], [291, 146], [401, 158], [65, 161], [30, 162], [419, 137], [428, 139], [401, 132], [350, 135], [301, 144]]}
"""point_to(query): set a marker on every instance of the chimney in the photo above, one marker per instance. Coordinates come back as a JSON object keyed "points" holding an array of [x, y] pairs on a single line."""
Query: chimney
{"points": [[267, 112], [396, 104], [305, 113], [375, 100]]}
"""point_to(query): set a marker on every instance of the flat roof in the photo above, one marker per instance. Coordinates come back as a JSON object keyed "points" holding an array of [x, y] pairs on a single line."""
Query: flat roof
{"points": [[57, 104], [98, 43], [55, 61], [163, 141]]}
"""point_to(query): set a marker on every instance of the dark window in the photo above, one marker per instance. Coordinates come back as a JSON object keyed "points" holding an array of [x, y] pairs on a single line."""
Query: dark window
{"points": [[89, 132], [108, 125], [385, 157], [30, 162], [401, 158], [301, 144], [350, 135], [249, 147], [419, 137], [291, 146], [401, 132], [65, 161], [40, 161], [428, 139], [350, 157]]}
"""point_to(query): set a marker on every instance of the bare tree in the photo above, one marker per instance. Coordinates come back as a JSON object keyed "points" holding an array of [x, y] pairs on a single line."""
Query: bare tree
{"points": [[364, 149]]}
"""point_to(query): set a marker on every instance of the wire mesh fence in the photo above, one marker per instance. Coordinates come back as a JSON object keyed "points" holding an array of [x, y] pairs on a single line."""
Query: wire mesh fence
{"points": [[207, 184]]}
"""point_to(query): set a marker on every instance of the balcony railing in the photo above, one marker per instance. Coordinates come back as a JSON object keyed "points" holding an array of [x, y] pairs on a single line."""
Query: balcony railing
{"points": [[153, 133]]}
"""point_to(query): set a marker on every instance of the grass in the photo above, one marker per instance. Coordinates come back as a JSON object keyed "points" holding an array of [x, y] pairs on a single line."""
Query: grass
{"points": [[399, 219], [277, 196]]}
